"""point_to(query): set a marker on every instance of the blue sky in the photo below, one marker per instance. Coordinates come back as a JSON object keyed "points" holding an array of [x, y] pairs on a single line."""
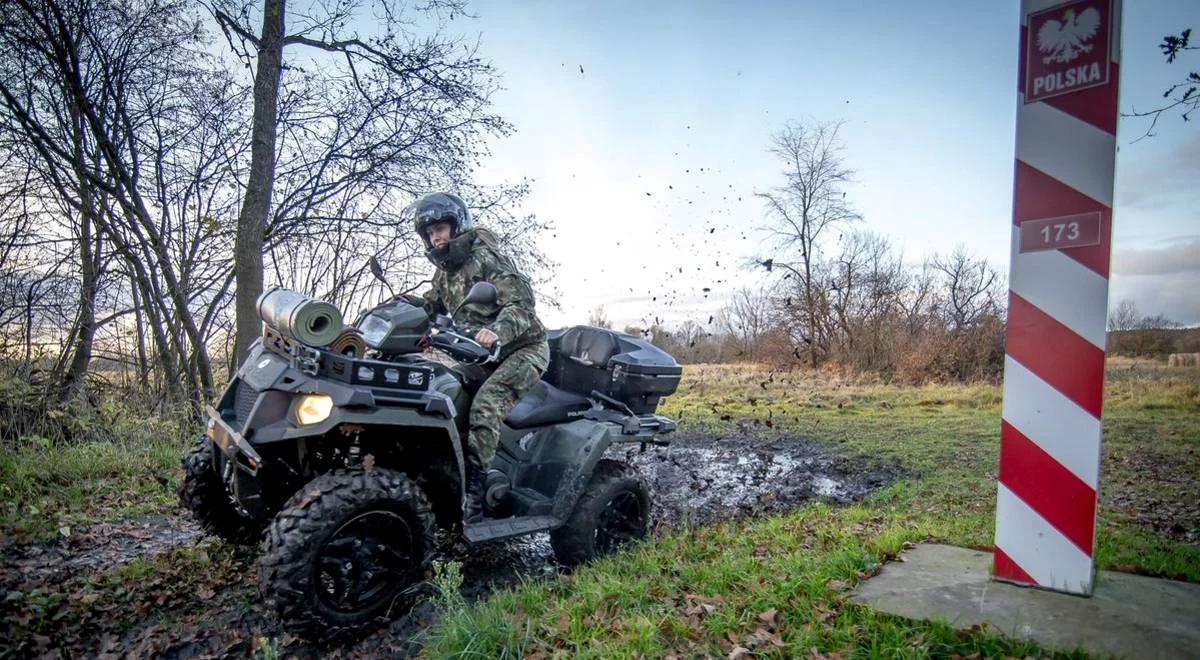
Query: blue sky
{"points": [[679, 100]]}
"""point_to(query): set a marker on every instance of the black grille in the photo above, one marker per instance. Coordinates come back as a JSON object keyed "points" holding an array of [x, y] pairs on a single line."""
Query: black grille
{"points": [[244, 400]]}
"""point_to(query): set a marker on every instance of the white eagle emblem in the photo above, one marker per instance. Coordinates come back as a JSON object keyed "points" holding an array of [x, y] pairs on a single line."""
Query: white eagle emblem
{"points": [[1065, 41]]}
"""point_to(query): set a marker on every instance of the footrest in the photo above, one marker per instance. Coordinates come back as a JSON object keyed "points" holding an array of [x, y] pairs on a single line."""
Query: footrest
{"points": [[490, 530], [530, 502]]}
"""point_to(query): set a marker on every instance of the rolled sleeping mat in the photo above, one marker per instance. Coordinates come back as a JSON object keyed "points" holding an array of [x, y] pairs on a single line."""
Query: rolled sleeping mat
{"points": [[349, 342], [300, 317]]}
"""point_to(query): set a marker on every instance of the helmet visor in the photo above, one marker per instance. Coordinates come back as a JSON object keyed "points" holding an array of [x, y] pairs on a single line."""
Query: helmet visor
{"points": [[436, 208]]}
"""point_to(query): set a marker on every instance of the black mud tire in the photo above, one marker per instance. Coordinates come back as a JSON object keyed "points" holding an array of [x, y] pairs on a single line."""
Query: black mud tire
{"points": [[612, 512], [202, 493], [302, 573]]}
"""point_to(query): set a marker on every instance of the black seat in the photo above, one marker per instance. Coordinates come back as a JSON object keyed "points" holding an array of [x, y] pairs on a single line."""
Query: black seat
{"points": [[545, 404], [589, 346]]}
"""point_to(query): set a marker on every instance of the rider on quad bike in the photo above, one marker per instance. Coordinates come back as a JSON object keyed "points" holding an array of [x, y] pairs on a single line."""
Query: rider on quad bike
{"points": [[341, 449], [465, 254]]}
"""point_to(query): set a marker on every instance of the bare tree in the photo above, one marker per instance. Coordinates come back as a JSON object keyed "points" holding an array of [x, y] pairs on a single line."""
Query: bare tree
{"points": [[865, 285], [810, 202], [124, 130], [748, 317], [1130, 333], [252, 220], [349, 126], [919, 302], [1123, 317], [598, 318], [125, 156], [971, 287]]}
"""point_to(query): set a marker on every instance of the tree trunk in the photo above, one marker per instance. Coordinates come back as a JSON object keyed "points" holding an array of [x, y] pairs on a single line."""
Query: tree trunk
{"points": [[89, 269], [168, 368], [143, 369], [812, 311], [85, 326], [29, 329], [252, 220]]}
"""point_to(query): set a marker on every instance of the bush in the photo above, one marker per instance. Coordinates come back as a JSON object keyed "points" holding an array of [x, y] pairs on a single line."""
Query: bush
{"points": [[28, 411], [973, 354]]}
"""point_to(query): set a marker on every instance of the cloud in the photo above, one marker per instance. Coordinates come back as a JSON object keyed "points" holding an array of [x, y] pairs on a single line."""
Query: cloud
{"points": [[1173, 296], [1153, 181], [1179, 257]]}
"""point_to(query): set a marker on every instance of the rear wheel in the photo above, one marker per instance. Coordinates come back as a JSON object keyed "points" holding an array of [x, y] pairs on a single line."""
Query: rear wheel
{"points": [[205, 496], [613, 512], [346, 551]]}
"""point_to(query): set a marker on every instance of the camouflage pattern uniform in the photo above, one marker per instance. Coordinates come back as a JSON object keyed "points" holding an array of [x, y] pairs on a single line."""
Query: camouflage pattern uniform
{"points": [[524, 352]]}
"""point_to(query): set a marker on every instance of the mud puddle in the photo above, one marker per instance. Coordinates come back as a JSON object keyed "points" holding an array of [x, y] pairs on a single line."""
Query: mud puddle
{"points": [[702, 480]]}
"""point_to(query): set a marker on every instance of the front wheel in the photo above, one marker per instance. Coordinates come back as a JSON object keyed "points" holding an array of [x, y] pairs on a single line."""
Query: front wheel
{"points": [[614, 511], [346, 551], [203, 493]]}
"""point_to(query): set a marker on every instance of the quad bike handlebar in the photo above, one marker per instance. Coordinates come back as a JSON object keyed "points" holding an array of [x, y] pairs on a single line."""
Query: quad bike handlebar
{"points": [[459, 340]]}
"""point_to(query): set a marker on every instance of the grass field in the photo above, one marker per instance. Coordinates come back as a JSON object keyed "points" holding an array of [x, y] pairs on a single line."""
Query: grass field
{"points": [[770, 586], [777, 586]]}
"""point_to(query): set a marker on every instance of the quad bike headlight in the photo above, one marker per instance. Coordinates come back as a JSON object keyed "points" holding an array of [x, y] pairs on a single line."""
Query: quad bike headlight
{"points": [[313, 408]]}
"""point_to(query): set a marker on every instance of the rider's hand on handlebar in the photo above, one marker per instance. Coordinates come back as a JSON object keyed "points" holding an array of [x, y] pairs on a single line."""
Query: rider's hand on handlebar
{"points": [[486, 338]]}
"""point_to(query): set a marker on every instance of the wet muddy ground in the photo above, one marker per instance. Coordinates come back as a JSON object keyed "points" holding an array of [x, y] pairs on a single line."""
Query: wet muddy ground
{"points": [[701, 480], [695, 481], [103, 546]]}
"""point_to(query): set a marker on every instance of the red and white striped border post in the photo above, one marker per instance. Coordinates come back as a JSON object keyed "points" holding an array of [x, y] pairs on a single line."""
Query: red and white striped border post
{"points": [[1058, 299]]}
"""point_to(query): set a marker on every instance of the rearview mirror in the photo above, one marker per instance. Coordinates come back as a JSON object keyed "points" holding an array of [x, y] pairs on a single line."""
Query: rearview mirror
{"points": [[481, 292], [377, 271]]}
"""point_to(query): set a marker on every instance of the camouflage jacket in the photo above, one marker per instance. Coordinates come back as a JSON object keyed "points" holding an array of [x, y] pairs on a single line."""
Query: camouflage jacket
{"points": [[512, 317]]}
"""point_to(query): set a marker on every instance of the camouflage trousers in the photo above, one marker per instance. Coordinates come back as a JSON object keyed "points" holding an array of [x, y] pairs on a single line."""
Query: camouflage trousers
{"points": [[505, 386]]}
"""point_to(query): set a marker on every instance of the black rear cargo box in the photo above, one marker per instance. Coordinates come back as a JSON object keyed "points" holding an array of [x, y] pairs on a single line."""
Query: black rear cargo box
{"points": [[627, 368]]}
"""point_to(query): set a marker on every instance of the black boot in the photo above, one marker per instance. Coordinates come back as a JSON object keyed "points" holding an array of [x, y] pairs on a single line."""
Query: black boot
{"points": [[473, 506]]}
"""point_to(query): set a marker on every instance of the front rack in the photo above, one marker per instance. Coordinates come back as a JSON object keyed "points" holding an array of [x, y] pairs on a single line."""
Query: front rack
{"points": [[324, 363]]}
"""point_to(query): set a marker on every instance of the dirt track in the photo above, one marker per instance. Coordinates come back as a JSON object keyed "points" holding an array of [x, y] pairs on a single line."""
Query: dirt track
{"points": [[697, 480]]}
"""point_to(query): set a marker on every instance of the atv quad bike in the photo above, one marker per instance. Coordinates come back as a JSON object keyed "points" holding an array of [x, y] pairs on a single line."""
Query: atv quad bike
{"points": [[344, 466]]}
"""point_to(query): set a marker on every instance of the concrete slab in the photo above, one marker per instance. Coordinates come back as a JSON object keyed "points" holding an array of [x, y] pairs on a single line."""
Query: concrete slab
{"points": [[1127, 616]]}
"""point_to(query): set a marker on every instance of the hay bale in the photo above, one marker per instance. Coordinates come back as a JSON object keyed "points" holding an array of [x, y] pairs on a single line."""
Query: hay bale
{"points": [[1183, 360]]}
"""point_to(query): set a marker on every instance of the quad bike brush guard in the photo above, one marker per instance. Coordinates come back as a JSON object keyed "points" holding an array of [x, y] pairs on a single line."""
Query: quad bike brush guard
{"points": [[345, 466]]}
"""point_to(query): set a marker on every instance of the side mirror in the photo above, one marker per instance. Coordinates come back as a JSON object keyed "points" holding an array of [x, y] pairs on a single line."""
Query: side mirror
{"points": [[377, 271], [481, 292]]}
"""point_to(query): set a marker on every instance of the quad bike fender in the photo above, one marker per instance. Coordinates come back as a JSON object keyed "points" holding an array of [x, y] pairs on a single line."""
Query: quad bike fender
{"points": [[579, 446], [395, 417], [244, 461]]}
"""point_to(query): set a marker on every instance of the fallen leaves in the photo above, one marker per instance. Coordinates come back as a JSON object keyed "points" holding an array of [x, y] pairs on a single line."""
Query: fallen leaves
{"points": [[762, 638], [701, 606], [822, 614], [101, 612], [835, 584]]}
